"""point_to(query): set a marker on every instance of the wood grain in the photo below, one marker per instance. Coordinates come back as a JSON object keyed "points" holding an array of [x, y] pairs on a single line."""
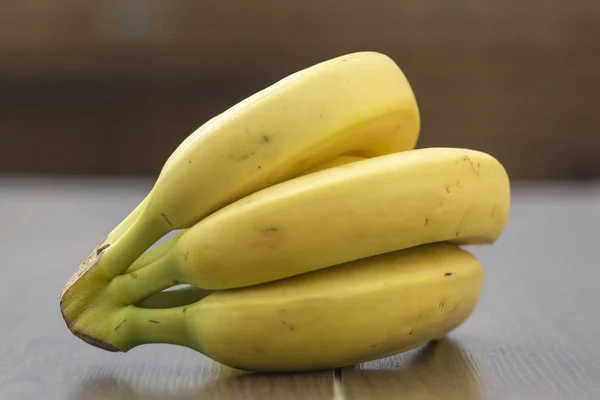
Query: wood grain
{"points": [[534, 335]]}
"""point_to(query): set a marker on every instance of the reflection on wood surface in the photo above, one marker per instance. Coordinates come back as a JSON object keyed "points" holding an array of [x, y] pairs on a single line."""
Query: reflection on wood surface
{"points": [[434, 371]]}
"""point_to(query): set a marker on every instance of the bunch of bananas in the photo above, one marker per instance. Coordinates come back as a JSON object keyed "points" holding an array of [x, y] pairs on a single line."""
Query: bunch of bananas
{"points": [[311, 233]]}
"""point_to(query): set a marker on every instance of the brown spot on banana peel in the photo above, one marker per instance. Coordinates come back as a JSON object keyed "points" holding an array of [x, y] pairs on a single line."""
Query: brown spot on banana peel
{"points": [[472, 164], [153, 321], [166, 219], [426, 223], [118, 326], [290, 326], [448, 274], [245, 156], [270, 231], [101, 249], [460, 224]]}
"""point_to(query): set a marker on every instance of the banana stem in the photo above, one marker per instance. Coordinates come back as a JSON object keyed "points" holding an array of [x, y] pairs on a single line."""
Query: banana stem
{"points": [[118, 231], [135, 286], [145, 326], [153, 254], [141, 235]]}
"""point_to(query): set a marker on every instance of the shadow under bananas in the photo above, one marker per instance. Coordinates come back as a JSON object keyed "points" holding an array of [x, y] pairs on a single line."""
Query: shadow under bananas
{"points": [[232, 385], [438, 370], [433, 371]]}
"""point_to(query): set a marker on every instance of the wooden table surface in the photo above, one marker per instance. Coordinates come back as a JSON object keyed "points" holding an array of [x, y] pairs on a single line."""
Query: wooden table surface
{"points": [[534, 335]]}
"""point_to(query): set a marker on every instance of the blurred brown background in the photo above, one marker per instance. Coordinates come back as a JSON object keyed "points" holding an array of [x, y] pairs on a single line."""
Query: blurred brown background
{"points": [[112, 86]]}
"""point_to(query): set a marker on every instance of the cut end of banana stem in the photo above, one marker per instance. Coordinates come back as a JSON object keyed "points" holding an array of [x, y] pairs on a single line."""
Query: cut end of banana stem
{"points": [[98, 308], [96, 342], [86, 338], [88, 263]]}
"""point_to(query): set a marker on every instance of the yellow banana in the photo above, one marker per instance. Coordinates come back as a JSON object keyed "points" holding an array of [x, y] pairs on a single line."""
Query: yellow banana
{"points": [[154, 254], [359, 104], [347, 314], [338, 215]]}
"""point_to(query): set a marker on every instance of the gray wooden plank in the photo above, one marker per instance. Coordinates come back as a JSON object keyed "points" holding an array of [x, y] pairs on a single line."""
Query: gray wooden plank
{"points": [[535, 333], [48, 226]]}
